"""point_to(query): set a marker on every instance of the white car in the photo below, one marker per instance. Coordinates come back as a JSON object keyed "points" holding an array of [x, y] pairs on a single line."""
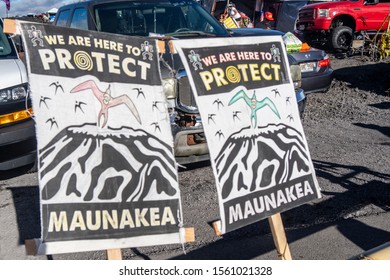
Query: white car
{"points": [[17, 129]]}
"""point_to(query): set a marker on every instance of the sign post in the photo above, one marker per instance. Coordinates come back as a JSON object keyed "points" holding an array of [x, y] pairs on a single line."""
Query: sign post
{"points": [[279, 235]]}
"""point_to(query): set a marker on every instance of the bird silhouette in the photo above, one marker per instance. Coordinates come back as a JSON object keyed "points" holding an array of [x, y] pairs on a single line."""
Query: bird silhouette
{"points": [[57, 85], [78, 105], [154, 105], [139, 92], [43, 100], [218, 102], [156, 126], [219, 133], [254, 104], [276, 92], [290, 117], [107, 101], [211, 117], [288, 100], [52, 122], [235, 115]]}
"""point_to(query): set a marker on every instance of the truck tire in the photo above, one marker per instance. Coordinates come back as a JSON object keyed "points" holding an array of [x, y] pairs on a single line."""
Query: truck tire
{"points": [[342, 38]]}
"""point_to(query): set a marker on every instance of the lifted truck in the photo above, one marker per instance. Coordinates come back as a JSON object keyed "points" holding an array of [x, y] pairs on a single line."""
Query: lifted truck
{"points": [[338, 23]]}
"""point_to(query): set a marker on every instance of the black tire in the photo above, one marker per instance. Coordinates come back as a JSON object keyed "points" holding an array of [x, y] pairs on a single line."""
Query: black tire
{"points": [[341, 38]]}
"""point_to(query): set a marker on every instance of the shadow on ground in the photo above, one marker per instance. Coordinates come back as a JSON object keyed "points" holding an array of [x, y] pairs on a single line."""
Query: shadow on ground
{"points": [[366, 193], [385, 130], [362, 197], [367, 77], [27, 207]]}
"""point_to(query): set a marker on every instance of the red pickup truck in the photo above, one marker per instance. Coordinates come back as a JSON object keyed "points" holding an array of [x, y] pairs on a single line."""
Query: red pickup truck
{"points": [[338, 23]]}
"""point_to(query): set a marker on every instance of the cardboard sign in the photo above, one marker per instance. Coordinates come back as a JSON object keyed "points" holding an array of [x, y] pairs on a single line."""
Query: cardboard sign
{"points": [[107, 173], [249, 112]]}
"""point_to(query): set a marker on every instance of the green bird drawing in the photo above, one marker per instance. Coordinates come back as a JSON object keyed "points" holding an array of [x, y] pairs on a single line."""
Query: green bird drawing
{"points": [[254, 104]]}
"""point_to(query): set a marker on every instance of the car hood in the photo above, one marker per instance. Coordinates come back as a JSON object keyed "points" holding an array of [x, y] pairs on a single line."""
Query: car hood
{"points": [[240, 32], [330, 5], [13, 72]]}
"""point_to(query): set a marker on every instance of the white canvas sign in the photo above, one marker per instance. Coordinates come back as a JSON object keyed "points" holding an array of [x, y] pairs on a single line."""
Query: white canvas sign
{"points": [[249, 112]]}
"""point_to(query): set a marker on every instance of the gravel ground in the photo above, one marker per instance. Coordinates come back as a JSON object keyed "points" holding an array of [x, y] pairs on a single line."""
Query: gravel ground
{"points": [[348, 130]]}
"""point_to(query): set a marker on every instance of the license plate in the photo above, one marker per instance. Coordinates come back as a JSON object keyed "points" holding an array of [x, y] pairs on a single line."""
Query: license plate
{"points": [[308, 67], [302, 27]]}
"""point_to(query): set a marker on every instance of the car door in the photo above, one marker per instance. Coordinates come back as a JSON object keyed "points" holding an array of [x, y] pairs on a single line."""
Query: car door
{"points": [[375, 14]]}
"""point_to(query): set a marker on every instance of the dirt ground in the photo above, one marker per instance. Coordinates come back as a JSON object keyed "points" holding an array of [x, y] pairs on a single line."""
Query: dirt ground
{"points": [[348, 132]]}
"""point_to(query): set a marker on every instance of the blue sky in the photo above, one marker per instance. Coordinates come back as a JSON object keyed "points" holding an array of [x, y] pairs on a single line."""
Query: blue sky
{"points": [[23, 7]]}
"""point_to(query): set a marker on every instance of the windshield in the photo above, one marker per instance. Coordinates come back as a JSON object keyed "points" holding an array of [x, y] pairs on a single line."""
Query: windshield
{"points": [[144, 18], [7, 49]]}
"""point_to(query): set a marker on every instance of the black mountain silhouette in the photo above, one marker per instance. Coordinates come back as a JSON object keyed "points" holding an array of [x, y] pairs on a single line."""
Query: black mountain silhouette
{"points": [[252, 160], [119, 163]]}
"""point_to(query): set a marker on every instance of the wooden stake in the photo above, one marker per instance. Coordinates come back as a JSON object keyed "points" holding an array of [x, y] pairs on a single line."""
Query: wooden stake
{"points": [[279, 235], [114, 254], [9, 26], [31, 247], [217, 227], [161, 46], [189, 234]]}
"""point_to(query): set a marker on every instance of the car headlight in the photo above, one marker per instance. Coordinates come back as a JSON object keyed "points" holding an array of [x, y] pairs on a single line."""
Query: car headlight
{"points": [[12, 94], [296, 75], [322, 13], [16, 116], [169, 87]]}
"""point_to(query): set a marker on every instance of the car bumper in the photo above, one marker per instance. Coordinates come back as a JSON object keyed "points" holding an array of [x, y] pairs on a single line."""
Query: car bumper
{"points": [[317, 83], [17, 145], [313, 25], [301, 99], [187, 148]]}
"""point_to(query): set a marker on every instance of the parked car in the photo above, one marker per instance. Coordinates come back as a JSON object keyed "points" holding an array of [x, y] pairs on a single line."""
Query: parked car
{"points": [[337, 24], [17, 129], [317, 73], [282, 14], [176, 18]]}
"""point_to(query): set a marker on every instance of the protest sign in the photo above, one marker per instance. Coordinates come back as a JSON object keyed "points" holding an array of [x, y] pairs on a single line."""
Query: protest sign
{"points": [[249, 112], [107, 173]]}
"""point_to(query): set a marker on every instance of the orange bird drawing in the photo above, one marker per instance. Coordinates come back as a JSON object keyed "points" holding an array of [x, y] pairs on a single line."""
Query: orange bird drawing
{"points": [[107, 101]]}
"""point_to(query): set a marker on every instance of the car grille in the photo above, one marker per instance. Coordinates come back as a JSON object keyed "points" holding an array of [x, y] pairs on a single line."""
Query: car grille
{"points": [[186, 97], [306, 14]]}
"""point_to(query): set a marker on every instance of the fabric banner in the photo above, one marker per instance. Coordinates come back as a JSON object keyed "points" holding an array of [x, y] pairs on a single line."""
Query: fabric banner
{"points": [[7, 4], [249, 112], [107, 173]]}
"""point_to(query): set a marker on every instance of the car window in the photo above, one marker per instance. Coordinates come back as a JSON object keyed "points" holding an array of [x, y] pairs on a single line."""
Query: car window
{"points": [[145, 18], [62, 17], [7, 49], [79, 19]]}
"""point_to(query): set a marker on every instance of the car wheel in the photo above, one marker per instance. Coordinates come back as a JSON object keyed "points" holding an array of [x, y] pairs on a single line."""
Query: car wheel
{"points": [[342, 38]]}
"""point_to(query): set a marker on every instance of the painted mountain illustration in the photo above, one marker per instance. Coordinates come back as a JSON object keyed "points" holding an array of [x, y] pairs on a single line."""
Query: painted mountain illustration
{"points": [[115, 165], [252, 160]]}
